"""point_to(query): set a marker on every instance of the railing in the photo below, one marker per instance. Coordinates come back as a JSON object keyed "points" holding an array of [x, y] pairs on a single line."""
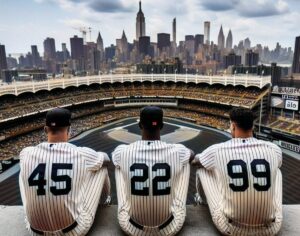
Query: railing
{"points": [[246, 81]]}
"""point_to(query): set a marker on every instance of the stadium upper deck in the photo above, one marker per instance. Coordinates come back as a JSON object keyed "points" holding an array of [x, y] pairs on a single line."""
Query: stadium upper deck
{"points": [[235, 80], [29, 103]]}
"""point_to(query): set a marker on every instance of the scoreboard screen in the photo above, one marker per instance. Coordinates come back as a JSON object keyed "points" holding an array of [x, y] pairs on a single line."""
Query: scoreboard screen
{"points": [[285, 102]]}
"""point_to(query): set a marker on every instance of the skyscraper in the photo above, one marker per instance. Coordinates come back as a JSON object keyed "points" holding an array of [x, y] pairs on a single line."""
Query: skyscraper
{"points": [[77, 51], [3, 62], [49, 49], [296, 61], [66, 53], [163, 41], [221, 39], [140, 23], [100, 46], [174, 30], [229, 40], [232, 60], [36, 60], [199, 40], [252, 58], [247, 43], [207, 32], [144, 45]]}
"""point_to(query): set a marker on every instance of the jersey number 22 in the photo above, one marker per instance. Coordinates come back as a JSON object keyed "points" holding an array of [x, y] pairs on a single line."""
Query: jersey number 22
{"points": [[144, 177]]}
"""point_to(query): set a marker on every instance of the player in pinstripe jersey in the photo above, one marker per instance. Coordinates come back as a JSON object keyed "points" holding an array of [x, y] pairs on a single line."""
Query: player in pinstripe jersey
{"points": [[242, 181], [152, 180], [60, 183]]}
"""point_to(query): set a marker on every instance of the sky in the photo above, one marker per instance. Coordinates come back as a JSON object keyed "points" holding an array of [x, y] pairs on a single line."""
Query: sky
{"points": [[28, 22]]}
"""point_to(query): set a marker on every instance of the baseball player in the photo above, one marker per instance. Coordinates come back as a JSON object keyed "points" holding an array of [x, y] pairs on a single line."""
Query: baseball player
{"points": [[152, 179], [60, 183], [242, 181]]}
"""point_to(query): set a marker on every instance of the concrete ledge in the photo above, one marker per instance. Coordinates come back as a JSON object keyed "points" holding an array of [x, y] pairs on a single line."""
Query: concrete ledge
{"points": [[198, 222]]}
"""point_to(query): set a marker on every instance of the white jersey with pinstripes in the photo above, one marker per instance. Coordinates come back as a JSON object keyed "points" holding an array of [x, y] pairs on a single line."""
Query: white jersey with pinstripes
{"points": [[246, 172], [54, 186], [152, 181]]}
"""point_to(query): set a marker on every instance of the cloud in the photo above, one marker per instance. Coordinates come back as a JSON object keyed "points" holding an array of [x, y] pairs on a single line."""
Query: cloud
{"points": [[108, 6], [262, 8], [246, 8], [219, 5]]}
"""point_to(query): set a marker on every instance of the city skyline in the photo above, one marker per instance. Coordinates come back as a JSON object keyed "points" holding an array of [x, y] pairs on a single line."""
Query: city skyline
{"points": [[110, 18]]}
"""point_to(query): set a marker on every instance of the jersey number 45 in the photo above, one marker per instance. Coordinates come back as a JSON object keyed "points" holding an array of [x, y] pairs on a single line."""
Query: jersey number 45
{"points": [[40, 181]]}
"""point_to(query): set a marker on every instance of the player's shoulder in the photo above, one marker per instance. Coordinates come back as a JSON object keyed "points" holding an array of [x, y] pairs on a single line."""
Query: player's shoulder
{"points": [[218, 146], [177, 146], [120, 148], [86, 151], [25, 151]]}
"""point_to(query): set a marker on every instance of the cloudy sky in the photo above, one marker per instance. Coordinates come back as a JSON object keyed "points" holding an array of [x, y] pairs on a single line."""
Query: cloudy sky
{"points": [[27, 22]]}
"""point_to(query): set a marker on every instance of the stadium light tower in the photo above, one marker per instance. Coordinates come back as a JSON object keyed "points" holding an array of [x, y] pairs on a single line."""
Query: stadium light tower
{"points": [[152, 73], [175, 75], [186, 70], [165, 74]]}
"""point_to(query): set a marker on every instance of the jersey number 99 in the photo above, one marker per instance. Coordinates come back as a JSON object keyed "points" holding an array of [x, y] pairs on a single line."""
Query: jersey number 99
{"points": [[258, 173]]}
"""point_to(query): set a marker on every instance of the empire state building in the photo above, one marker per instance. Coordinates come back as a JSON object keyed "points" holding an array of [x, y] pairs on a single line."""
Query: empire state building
{"points": [[140, 24]]}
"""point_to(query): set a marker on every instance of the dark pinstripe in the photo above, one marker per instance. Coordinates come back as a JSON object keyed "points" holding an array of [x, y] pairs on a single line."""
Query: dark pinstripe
{"points": [[52, 213], [251, 211], [152, 211]]}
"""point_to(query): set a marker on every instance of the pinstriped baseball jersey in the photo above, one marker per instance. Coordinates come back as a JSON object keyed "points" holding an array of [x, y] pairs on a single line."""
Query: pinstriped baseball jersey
{"points": [[55, 184], [246, 172], [151, 182]]}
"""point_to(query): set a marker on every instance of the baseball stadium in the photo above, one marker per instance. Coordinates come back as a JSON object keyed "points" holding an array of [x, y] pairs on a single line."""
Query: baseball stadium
{"points": [[105, 113]]}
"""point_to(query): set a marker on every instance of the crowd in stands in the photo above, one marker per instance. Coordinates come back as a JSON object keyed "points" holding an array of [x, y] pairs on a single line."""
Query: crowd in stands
{"points": [[11, 106], [11, 147], [285, 124], [206, 108]]}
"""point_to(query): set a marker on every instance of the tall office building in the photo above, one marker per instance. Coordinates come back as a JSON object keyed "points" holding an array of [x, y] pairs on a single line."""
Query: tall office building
{"points": [[163, 41], [296, 61], [189, 48], [199, 40], [49, 49], [3, 62], [140, 23], [229, 40], [247, 43], [36, 60], [174, 30], [77, 51], [232, 60], [100, 46], [144, 46], [66, 53], [221, 39], [122, 52], [92, 58], [251, 58], [207, 32]]}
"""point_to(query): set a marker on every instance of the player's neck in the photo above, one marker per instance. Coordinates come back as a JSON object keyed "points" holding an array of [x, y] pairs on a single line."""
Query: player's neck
{"points": [[57, 139], [147, 136], [243, 134]]}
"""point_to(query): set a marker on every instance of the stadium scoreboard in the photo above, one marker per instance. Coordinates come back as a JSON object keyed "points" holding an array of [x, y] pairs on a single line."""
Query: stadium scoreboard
{"points": [[284, 101]]}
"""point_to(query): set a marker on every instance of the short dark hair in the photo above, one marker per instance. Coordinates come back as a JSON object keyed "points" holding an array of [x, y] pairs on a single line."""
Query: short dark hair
{"points": [[243, 117], [151, 118]]}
